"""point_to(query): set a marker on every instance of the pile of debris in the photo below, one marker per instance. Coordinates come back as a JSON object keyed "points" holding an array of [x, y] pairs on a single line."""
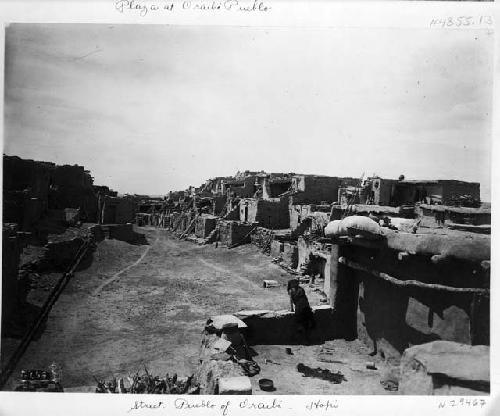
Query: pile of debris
{"points": [[287, 268], [41, 380], [148, 384], [262, 238]]}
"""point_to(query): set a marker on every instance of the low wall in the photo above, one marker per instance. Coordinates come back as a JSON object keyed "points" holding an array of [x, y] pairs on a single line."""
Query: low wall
{"points": [[122, 232], [279, 327], [445, 368]]}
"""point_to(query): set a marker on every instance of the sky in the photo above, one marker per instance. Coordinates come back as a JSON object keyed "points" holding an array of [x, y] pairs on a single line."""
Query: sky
{"points": [[153, 108]]}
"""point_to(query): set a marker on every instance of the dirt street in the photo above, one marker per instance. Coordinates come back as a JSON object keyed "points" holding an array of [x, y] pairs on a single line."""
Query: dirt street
{"points": [[142, 305], [146, 305]]}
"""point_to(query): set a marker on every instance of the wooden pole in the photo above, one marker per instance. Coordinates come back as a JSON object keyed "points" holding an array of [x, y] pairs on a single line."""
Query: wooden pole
{"points": [[411, 283], [331, 286]]}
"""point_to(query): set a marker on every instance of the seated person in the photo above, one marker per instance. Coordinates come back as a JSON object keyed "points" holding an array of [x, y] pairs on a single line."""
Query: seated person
{"points": [[300, 305]]}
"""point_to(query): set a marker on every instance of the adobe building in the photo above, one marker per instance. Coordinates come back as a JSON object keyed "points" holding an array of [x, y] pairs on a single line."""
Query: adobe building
{"points": [[406, 289], [314, 189], [444, 192], [33, 190], [234, 232], [204, 225], [116, 210], [272, 214], [276, 186], [300, 213], [391, 192], [452, 215], [241, 187], [72, 187]]}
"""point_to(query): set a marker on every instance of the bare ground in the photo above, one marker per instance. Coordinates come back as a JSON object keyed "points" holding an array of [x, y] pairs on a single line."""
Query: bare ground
{"points": [[146, 305], [350, 359]]}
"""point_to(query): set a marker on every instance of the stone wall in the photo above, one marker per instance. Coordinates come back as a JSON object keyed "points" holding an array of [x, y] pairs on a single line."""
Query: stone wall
{"points": [[276, 250], [12, 293], [234, 232], [180, 221], [298, 214], [268, 214], [117, 210], [125, 211], [316, 189], [218, 204], [290, 254], [382, 190], [248, 210], [264, 239], [241, 188], [204, 225], [214, 365], [273, 187]]}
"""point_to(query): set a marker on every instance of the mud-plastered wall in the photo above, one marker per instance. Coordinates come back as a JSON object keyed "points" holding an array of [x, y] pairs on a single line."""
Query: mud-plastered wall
{"points": [[390, 318]]}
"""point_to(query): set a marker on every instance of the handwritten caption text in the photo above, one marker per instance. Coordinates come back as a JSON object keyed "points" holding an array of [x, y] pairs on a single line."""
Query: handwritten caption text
{"points": [[143, 8], [225, 407]]}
